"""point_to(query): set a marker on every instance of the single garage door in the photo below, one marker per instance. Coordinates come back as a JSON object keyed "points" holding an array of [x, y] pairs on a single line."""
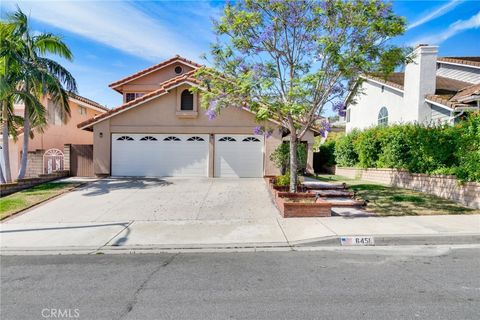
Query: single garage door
{"points": [[160, 155], [239, 156]]}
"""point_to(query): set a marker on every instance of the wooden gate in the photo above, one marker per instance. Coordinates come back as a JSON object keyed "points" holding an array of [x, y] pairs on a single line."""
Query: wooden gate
{"points": [[81, 160]]}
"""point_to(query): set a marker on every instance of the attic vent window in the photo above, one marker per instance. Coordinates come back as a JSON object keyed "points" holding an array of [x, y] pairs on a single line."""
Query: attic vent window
{"points": [[178, 70]]}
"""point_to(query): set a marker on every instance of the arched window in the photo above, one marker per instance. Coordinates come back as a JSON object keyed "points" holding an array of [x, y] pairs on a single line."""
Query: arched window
{"points": [[251, 139], [186, 102], [383, 116], [172, 138], [148, 138], [195, 139], [125, 138], [225, 139]]}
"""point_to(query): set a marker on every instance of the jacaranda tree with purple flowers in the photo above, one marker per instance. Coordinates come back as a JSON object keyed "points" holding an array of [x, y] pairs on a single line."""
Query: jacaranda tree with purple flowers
{"points": [[288, 60]]}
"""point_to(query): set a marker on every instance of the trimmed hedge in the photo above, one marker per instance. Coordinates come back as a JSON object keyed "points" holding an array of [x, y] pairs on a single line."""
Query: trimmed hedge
{"points": [[442, 149]]}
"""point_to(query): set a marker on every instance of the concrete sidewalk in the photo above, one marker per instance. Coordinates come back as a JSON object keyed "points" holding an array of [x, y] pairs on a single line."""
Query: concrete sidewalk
{"points": [[269, 232]]}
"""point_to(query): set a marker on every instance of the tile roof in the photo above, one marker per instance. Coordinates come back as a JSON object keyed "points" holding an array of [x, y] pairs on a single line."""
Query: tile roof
{"points": [[447, 92], [470, 61], [87, 101], [394, 80], [164, 87], [442, 83], [473, 90], [153, 68]]}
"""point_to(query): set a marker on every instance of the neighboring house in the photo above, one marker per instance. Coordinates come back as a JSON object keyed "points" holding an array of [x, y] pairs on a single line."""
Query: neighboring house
{"points": [[431, 90], [161, 130], [45, 150]]}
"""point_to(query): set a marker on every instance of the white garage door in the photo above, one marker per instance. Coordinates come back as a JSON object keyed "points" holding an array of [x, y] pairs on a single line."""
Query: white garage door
{"points": [[239, 156], [160, 155]]}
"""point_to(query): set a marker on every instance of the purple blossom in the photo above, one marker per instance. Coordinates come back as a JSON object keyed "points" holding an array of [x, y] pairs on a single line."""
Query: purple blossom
{"points": [[211, 114], [324, 128], [258, 130], [267, 33], [337, 89], [338, 105]]}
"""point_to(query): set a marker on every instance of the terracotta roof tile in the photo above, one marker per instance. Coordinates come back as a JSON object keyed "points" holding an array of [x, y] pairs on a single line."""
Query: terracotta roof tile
{"points": [[473, 90], [394, 80], [470, 61], [88, 101], [164, 87], [152, 68], [449, 84]]}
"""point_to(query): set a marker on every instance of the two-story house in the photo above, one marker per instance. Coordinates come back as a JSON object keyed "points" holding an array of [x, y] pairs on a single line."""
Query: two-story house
{"points": [[161, 130], [431, 90], [45, 149]]}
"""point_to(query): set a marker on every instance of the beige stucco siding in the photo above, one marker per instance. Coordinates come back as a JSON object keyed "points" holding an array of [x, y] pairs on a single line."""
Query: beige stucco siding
{"points": [[152, 81], [159, 116]]}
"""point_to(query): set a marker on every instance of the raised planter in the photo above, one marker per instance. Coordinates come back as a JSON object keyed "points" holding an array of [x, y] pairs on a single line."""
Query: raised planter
{"points": [[293, 206], [299, 204]]}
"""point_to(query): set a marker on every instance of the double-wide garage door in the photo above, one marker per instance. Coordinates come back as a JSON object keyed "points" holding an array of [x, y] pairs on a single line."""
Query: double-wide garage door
{"points": [[167, 155]]}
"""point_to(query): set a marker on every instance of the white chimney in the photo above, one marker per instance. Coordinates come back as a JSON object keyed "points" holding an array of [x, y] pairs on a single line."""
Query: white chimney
{"points": [[420, 80]]}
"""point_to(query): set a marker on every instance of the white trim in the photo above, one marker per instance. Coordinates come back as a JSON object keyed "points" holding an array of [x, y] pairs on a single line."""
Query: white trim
{"points": [[153, 70], [84, 104], [382, 84], [438, 104], [458, 64]]}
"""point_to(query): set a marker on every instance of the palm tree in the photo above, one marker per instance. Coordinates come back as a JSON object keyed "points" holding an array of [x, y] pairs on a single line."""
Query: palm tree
{"points": [[39, 76]]}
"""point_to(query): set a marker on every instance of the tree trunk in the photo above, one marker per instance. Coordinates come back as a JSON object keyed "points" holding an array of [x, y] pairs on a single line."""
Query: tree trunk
{"points": [[26, 138], [293, 160], [6, 175]]}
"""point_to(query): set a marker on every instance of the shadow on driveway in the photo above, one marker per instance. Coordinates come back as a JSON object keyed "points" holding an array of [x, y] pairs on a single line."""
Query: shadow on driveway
{"points": [[107, 185], [123, 224]]}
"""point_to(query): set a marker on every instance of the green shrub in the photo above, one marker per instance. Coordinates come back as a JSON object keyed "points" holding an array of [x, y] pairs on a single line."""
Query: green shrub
{"points": [[441, 149], [281, 157], [468, 150], [284, 179], [367, 146], [326, 156], [394, 148], [345, 154]]}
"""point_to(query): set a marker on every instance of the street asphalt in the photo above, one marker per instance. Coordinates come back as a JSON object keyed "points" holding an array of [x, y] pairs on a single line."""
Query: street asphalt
{"points": [[425, 283]]}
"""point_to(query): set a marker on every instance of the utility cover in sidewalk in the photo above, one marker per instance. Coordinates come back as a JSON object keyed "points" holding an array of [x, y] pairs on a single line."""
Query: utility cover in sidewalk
{"points": [[357, 241]]}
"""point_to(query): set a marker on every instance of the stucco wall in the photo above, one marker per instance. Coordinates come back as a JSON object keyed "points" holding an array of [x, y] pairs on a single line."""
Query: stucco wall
{"points": [[364, 114], [159, 116], [152, 81], [56, 135], [443, 186]]}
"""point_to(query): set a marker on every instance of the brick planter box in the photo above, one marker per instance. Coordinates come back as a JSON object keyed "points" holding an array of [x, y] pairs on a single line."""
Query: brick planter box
{"points": [[291, 209]]}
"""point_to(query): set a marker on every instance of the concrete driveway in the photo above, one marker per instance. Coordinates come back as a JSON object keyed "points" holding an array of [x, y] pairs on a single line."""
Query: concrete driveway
{"points": [[117, 199], [144, 214]]}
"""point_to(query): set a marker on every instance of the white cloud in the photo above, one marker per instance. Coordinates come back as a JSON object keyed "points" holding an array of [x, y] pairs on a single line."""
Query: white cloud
{"points": [[116, 24], [435, 14], [452, 30]]}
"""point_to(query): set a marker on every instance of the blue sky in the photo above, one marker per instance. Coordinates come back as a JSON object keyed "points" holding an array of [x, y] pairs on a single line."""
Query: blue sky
{"points": [[112, 39]]}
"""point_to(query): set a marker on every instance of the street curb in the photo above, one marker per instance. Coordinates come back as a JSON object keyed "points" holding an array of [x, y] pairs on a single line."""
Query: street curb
{"points": [[312, 244]]}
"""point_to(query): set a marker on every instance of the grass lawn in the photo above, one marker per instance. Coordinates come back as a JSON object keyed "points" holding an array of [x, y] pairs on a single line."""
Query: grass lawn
{"points": [[26, 198], [390, 201]]}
